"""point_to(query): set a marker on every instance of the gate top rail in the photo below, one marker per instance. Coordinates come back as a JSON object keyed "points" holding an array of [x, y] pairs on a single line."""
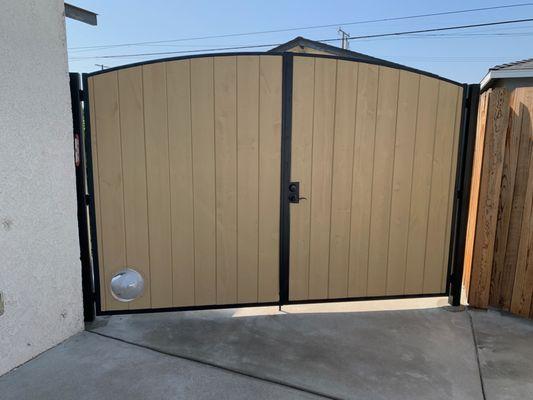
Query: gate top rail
{"points": [[272, 53]]}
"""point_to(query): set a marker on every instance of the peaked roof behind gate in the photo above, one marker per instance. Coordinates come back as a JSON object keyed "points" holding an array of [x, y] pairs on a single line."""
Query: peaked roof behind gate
{"points": [[303, 45], [521, 64], [514, 70]]}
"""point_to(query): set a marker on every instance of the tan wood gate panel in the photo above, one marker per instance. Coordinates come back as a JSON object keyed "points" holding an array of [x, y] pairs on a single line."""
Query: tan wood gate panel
{"points": [[191, 164], [186, 174], [375, 150]]}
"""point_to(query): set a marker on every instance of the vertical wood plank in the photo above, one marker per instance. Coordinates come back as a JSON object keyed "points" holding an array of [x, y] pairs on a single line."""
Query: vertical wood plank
{"points": [[491, 172], [341, 199], [363, 166], [226, 177], [477, 163], [181, 182], [269, 176], [134, 175], [523, 282], [158, 183], [512, 142], [401, 181], [524, 103], [382, 180], [203, 151], [451, 189], [110, 182], [302, 142], [321, 167], [421, 184], [523, 279], [440, 183], [247, 177], [96, 188]]}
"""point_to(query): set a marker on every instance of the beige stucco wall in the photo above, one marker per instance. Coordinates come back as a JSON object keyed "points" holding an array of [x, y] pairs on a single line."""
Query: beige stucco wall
{"points": [[40, 276]]}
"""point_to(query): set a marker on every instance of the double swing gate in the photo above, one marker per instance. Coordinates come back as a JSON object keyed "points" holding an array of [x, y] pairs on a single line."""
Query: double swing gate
{"points": [[274, 178]]}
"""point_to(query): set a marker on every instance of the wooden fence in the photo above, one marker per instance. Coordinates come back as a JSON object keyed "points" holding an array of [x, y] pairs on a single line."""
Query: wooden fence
{"points": [[498, 260]]}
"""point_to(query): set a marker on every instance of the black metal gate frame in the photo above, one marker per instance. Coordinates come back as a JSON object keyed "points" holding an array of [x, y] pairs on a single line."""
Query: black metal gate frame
{"points": [[84, 175]]}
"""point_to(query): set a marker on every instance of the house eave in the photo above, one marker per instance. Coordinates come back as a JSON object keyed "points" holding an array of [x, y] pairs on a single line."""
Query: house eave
{"points": [[80, 14], [503, 74]]}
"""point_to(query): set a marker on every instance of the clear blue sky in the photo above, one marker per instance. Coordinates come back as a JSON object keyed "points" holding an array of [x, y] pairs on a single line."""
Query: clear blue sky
{"points": [[463, 55]]}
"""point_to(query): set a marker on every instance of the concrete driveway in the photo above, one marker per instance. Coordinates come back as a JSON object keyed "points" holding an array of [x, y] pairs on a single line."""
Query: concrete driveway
{"points": [[408, 349]]}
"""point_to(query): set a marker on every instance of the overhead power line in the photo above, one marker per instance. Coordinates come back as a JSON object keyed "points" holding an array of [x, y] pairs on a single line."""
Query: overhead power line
{"points": [[391, 34], [162, 53], [465, 35], [370, 21], [448, 28]]}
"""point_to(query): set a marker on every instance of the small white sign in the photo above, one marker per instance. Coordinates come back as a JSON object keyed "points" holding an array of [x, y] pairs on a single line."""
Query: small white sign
{"points": [[77, 149]]}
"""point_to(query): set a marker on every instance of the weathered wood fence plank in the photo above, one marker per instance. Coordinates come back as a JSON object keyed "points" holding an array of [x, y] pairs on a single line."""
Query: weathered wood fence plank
{"points": [[490, 185], [499, 252]]}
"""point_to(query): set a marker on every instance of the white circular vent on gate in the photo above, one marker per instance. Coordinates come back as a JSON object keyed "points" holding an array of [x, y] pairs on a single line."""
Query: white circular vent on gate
{"points": [[127, 285]]}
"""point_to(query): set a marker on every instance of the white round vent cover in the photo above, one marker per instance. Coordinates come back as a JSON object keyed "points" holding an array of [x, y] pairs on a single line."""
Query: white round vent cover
{"points": [[127, 285]]}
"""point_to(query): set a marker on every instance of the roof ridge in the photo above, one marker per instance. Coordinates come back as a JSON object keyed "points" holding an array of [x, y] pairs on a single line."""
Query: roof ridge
{"points": [[511, 64], [319, 45]]}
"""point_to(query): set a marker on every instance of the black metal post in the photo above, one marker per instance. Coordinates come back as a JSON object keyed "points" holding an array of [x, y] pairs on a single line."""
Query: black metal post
{"points": [[79, 160], [462, 190], [285, 218]]}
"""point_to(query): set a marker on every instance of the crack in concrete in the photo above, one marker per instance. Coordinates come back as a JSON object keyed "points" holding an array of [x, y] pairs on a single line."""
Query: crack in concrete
{"points": [[221, 367], [477, 355]]}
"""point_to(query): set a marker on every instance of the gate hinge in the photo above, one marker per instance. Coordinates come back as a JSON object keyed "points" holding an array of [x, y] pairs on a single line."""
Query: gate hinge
{"points": [[87, 199], [82, 95]]}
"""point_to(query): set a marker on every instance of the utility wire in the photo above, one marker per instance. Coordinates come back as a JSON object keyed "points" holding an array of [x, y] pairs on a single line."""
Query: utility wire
{"points": [[379, 35], [370, 21], [461, 35], [515, 21], [180, 52], [414, 36]]}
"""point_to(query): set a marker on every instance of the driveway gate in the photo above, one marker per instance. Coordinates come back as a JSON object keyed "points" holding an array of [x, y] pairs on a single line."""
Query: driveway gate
{"points": [[273, 178]]}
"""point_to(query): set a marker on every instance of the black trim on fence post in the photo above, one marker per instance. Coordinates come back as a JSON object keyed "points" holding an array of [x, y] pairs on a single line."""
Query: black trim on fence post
{"points": [[87, 152], [285, 218], [462, 194], [83, 234]]}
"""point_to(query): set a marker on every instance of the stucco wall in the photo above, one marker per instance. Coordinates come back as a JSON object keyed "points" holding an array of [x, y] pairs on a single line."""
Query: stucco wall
{"points": [[40, 274]]}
